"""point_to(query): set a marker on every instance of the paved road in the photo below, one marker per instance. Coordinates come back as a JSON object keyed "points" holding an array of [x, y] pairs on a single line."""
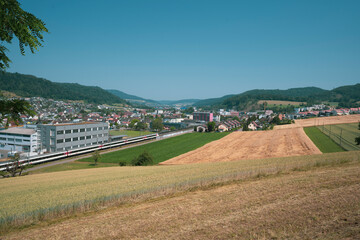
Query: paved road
{"points": [[72, 159]]}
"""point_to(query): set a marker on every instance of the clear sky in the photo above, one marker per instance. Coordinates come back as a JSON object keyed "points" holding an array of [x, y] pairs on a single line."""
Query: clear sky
{"points": [[177, 49]]}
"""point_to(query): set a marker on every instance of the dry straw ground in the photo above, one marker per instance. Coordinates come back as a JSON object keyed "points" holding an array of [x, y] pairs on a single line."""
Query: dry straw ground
{"points": [[25, 200], [323, 203], [284, 140], [251, 145], [322, 121]]}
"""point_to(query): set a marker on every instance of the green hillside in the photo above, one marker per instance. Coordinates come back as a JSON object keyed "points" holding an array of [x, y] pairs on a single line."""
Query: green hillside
{"points": [[212, 101], [31, 86], [346, 96]]}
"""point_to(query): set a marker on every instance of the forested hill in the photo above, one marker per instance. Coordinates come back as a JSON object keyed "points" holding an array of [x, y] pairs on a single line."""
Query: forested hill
{"points": [[31, 86], [244, 100], [346, 96], [262, 94], [289, 93]]}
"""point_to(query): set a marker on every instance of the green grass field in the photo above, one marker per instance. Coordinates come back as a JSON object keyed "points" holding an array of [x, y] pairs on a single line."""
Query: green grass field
{"points": [[323, 142], [162, 150], [129, 133], [333, 104], [343, 134], [26, 199]]}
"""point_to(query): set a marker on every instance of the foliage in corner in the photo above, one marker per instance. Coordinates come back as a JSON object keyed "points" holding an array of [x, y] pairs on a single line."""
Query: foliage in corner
{"points": [[14, 21], [12, 110]]}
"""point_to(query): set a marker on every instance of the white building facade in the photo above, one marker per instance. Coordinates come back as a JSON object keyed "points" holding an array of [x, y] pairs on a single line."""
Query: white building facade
{"points": [[60, 137], [20, 140]]}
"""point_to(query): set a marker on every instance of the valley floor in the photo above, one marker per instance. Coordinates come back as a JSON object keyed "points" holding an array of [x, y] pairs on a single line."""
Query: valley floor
{"points": [[320, 203]]}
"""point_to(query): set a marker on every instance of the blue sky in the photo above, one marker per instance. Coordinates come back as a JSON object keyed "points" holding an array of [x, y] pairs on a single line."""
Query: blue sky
{"points": [[195, 49]]}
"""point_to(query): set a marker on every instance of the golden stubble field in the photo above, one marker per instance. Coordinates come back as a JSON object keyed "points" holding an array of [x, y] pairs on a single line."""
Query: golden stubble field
{"points": [[283, 141], [323, 203], [28, 198], [354, 118], [251, 145]]}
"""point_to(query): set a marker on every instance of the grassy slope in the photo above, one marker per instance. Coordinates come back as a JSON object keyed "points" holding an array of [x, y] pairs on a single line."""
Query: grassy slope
{"points": [[162, 150], [349, 133], [52, 194], [322, 203], [323, 142], [87, 163]]}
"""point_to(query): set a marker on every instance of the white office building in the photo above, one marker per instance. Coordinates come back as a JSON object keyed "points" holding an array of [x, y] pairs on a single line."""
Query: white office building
{"points": [[20, 140], [66, 136]]}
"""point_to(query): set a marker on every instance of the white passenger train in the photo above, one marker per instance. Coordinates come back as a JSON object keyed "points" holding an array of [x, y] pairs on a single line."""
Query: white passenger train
{"points": [[83, 150]]}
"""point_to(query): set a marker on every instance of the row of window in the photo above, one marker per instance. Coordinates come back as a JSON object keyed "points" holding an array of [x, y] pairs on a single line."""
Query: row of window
{"points": [[74, 139], [16, 139], [9, 144], [60, 132]]}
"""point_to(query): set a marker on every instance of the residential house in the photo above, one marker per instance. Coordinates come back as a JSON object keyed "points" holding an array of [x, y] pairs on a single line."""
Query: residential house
{"points": [[223, 128]]}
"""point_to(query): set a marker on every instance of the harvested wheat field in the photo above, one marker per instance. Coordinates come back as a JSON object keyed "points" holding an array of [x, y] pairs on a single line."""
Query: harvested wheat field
{"points": [[251, 145], [322, 121], [323, 203]]}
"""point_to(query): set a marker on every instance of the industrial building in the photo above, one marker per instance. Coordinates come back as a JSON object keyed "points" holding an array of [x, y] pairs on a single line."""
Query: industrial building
{"points": [[21, 140], [203, 116], [66, 136]]}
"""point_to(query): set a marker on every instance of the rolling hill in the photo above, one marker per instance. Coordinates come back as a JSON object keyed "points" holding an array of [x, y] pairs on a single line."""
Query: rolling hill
{"points": [[346, 96], [31, 86]]}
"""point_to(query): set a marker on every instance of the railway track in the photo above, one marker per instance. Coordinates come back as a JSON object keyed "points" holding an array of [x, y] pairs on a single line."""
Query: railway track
{"points": [[80, 151]]}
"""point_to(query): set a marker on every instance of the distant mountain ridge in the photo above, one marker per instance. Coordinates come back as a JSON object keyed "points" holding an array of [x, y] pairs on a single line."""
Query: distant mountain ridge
{"points": [[347, 96], [31, 86], [149, 102]]}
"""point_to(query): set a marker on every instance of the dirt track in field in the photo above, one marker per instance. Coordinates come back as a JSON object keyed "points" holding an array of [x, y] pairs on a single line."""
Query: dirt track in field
{"points": [[322, 121], [251, 145]]}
